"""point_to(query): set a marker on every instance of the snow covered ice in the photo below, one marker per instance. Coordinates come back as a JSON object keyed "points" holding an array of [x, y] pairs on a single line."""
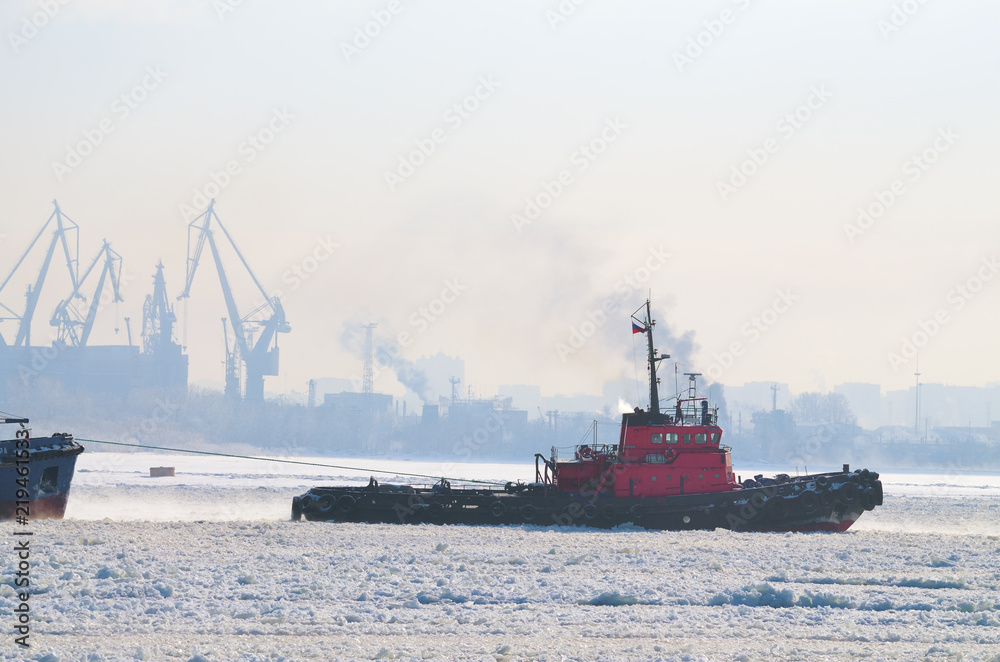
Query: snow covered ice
{"points": [[205, 566]]}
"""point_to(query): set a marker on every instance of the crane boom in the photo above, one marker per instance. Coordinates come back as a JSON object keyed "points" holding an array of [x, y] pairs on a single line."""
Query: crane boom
{"points": [[63, 226], [57, 213], [258, 355], [23, 338], [66, 316], [227, 294], [107, 273]]}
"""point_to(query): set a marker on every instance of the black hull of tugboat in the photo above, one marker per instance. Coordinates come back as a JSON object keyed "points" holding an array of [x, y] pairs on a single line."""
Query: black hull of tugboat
{"points": [[819, 502], [50, 464]]}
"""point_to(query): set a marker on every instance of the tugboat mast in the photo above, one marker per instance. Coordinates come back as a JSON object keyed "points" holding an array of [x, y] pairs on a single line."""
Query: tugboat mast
{"points": [[654, 395], [647, 328]]}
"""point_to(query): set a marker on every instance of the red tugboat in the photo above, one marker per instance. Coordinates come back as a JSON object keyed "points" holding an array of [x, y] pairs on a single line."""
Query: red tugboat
{"points": [[668, 471]]}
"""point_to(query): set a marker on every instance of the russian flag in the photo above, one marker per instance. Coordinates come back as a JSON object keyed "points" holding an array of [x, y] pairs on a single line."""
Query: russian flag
{"points": [[637, 329]]}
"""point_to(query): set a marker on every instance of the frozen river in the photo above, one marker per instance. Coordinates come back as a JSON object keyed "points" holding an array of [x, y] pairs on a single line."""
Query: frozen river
{"points": [[205, 566]]}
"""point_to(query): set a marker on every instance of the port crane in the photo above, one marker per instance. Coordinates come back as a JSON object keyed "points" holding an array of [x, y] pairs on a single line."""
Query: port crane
{"points": [[68, 319], [158, 317], [256, 342], [62, 236], [164, 358]]}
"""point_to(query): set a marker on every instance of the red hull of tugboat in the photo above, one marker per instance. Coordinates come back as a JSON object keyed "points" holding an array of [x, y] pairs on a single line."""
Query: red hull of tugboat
{"points": [[53, 507], [668, 471]]}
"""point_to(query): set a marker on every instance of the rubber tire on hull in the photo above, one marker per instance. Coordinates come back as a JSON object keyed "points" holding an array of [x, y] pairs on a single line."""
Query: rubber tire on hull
{"points": [[572, 511], [777, 508], [809, 502], [724, 509], [847, 493], [528, 512], [609, 512], [757, 507], [325, 503], [498, 509], [345, 504], [590, 512], [637, 512]]}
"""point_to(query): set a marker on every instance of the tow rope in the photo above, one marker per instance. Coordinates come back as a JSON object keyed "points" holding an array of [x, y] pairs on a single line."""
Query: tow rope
{"points": [[301, 462]]}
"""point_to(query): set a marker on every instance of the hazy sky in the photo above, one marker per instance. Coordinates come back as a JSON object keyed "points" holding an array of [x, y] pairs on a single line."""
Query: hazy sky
{"points": [[716, 153]]}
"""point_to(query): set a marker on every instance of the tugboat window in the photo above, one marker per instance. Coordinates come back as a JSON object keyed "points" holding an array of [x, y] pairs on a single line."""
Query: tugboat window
{"points": [[671, 437], [656, 438], [687, 437], [715, 437], [701, 438], [656, 458], [49, 480]]}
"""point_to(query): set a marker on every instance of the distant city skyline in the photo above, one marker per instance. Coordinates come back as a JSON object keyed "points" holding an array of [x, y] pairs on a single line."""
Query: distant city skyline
{"points": [[874, 406]]}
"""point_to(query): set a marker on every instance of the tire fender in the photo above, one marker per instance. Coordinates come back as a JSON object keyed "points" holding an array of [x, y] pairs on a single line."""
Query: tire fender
{"points": [[809, 500], [848, 493], [345, 504], [777, 508]]}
